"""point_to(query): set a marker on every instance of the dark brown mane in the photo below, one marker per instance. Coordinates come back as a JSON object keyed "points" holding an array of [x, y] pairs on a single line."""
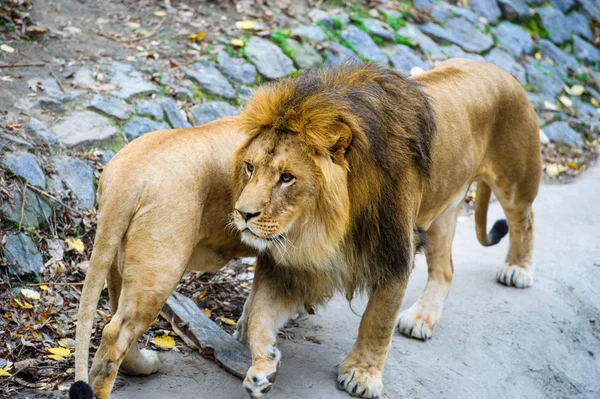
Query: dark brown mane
{"points": [[387, 153]]}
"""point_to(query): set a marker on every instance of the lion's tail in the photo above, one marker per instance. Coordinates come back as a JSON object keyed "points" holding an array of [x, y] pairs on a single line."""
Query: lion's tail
{"points": [[500, 228], [120, 205]]}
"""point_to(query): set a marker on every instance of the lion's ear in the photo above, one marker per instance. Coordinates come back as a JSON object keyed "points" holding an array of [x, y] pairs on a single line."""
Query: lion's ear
{"points": [[344, 137]]}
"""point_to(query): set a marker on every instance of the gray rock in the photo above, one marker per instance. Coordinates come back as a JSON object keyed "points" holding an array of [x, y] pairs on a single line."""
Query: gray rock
{"points": [[41, 133], [515, 10], [583, 109], [22, 257], [508, 63], [104, 156], [453, 51], [138, 126], [181, 93], [364, 45], [84, 129], [377, 28], [84, 78], [55, 186], [10, 141], [268, 58], [48, 104], [304, 55], [423, 3], [321, 17], [461, 33], [311, 32], [237, 70], [150, 109], [561, 132], [211, 111], [486, 8], [555, 23], [389, 13], [111, 106], [26, 167], [591, 8], [563, 5], [336, 54], [34, 213], [545, 78], [580, 25], [403, 58], [442, 12], [543, 138], [562, 60], [593, 93], [537, 100], [210, 79], [79, 178], [513, 39], [535, 3], [50, 88], [428, 46], [585, 51], [174, 117], [130, 81]]}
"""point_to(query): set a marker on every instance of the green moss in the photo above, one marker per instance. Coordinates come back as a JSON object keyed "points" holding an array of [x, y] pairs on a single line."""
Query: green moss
{"points": [[337, 23], [347, 44], [399, 39], [360, 23], [358, 10], [279, 37], [535, 29], [395, 23], [117, 143]]}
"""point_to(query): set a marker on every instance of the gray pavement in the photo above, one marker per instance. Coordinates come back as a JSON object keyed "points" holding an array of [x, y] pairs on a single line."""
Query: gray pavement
{"points": [[492, 341]]}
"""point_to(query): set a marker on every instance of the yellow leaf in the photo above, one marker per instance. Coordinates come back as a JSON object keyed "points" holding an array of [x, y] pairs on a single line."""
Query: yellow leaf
{"points": [[202, 295], [591, 143], [75, 244], [164, 342], [594, 102], [43, 287], [250, 268], [575, 90], [226, 320], [36, 334], [4, 373], [133, 25], [198, 36], [245, 24], [566, 101], [538, 56], [237, 42], [66, 343], [207, 312], [27, 305], [64, 352], [160, 13], [573, 166], [56, 357], [552, 170]]}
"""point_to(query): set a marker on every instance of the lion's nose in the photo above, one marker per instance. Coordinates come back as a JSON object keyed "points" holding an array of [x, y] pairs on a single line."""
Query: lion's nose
{"points": [[247, 215]]}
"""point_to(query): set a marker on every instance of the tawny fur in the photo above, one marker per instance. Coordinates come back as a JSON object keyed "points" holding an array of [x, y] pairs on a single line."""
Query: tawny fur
{"points": [[375, 158], [164, 204]]}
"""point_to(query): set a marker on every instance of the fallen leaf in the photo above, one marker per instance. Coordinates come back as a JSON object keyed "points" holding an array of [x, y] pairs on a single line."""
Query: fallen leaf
{"points": [[133, 25], [6, 48], [160, 13], [552, 170], [594, 102], [36, 30], [591, 143], [226, 320], [164, 342], [573, 166], [64, 352], [30, 294], [66, 343], [198, 36], [202, 295], [575, 90], [43, 287], [55, 357], [246, 24], [549, 106], [538, 56], [4, 373], [207, 312], [237, 42], [74, 244], [566, 101]]}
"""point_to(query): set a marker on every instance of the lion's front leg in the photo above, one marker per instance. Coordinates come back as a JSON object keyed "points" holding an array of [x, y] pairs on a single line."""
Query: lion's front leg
{"points": [[361, 373], [267, 314]]}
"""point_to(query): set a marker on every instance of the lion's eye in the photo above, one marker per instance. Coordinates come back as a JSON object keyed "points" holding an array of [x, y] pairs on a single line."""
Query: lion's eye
{"points": [[286, 177], [249, 168]]}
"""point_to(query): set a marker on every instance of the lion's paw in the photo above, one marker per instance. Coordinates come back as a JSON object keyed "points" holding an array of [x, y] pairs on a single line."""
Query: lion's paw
{"points": [[516, 275], [145, 362], [359, 380], [261, 376], [415, 323]]}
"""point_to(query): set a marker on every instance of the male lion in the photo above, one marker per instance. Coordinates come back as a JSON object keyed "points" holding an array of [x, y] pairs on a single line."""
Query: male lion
{"points": [[164, 204], [343, 174]]}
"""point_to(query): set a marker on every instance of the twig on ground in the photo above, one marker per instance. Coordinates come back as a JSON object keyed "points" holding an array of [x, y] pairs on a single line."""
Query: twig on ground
{"points": [[25, 65], [56, 200], [60, 85], [115, 38]]}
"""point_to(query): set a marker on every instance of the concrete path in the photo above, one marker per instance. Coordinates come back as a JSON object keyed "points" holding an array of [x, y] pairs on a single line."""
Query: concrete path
{"points": [[492, 341]]}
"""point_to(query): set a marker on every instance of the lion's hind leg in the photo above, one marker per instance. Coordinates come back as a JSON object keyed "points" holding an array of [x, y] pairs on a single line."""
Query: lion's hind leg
{"points": [[420, 319]]}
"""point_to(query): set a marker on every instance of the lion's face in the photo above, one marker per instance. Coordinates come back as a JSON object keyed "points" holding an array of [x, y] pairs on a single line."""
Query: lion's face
{"points": [[279, 186]]}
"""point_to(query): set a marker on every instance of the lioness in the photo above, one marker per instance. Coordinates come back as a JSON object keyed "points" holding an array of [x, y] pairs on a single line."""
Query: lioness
{"points": [[164, 204], [343, 174]]}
